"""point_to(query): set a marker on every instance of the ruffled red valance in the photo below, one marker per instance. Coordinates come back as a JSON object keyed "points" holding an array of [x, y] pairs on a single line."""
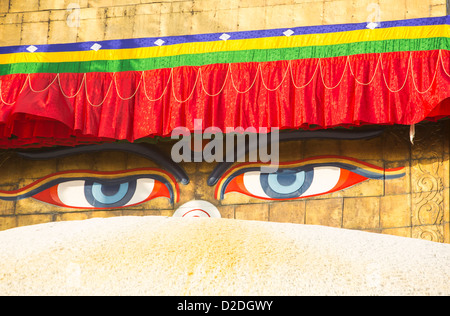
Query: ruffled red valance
{"points": [[45, 109]]}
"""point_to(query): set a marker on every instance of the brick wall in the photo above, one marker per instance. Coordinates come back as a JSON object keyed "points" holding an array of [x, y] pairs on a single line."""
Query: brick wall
{"points": [[416, 205], [36, 22]]}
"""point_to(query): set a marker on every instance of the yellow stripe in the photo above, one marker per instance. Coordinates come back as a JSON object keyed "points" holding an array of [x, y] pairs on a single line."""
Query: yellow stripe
{"points": [[414, 32]]}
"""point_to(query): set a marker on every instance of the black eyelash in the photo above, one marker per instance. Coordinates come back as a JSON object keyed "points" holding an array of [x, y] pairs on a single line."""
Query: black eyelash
{"points": [[148, 151], [222, 167]]}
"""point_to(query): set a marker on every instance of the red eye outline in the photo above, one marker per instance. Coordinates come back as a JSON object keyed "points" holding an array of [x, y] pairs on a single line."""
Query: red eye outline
{"points": [[346, 180], [45, 189], [50, 196], [352, 172]]}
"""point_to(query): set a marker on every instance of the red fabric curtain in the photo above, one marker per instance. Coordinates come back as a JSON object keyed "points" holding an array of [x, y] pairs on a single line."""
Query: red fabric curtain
{"points": [[392, 88]]}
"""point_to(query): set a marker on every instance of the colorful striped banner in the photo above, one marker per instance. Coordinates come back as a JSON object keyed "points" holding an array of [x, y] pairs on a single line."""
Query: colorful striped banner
{"points": [[256, 46]]}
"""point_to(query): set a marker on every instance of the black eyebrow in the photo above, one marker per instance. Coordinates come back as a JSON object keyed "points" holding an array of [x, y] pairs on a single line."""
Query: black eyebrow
{"points": [[148, 151], [223, 166]]}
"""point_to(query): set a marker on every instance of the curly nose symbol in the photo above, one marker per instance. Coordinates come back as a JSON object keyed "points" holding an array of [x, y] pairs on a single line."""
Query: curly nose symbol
{"points": [[197, 208]]}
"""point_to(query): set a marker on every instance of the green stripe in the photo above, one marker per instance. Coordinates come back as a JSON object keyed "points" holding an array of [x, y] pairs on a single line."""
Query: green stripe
{"points": [[295, 53]]}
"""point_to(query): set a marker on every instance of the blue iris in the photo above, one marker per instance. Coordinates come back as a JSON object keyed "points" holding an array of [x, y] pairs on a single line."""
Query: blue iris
{"points": [[286, 184], [106, 195], [109, 194]]}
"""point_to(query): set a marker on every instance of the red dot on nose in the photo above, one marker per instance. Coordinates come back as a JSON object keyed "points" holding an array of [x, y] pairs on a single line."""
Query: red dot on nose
{"points": [[196, 210]]}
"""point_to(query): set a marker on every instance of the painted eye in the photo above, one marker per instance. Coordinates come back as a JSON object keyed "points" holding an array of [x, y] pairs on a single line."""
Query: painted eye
{"points": [[292, 184], [99, 190], [312, 177], [99, 194]]}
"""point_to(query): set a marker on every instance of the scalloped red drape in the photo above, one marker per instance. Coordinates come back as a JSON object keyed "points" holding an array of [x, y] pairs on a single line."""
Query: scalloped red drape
{"points": [[80, 102], [71, 109]]}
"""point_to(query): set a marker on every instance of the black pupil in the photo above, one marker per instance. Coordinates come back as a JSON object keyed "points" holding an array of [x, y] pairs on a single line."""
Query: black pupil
{"points": [[110, 189], [286, 179]]}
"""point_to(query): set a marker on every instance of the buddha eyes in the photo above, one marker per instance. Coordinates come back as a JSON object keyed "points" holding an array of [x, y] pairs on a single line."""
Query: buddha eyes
{"points": [[99, 190], [287, 184], [308, 178], [103, 194]]}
